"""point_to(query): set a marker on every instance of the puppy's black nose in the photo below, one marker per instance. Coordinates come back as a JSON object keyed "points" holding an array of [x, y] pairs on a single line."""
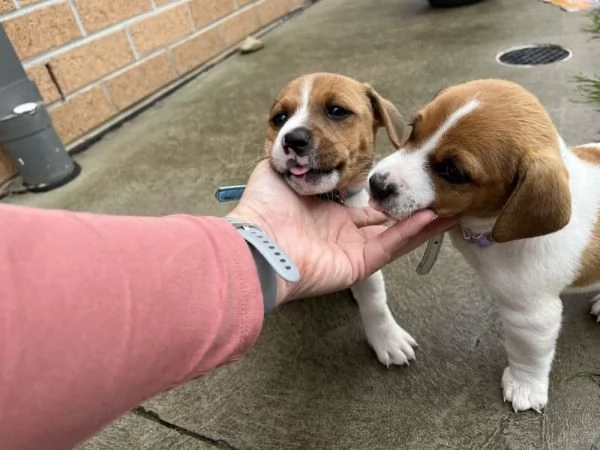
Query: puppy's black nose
{"points": [[298, 140], [379, 188]]}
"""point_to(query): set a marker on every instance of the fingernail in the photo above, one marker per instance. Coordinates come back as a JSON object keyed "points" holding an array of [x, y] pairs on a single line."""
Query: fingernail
{"points": [[432, 214]]}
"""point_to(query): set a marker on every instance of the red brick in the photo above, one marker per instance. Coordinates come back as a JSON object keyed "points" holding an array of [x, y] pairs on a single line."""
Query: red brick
{"points": [[41, 77], [81, 113], [197, 50], [271, 10], [97, 14], [82, 65], [6, 6], [162, 29], [205, 11], [239, 26], [42, 30], [7, 168], [140, 81]]}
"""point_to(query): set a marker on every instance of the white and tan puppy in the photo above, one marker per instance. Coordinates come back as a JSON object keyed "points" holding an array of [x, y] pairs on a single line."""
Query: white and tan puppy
{"points": [[321, 138], [529, 205]]}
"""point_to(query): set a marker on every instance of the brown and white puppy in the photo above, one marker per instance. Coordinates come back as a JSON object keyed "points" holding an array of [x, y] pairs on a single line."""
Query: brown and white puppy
{"points": [[487, 151], [321, 138]]}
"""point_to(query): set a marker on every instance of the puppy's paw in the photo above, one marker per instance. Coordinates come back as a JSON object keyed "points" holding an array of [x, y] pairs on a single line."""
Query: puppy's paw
{"points": [[524, 392], [595, 310], [391, 343]]}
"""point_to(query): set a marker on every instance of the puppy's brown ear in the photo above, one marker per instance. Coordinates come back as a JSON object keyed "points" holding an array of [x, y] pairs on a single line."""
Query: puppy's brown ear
{"points": [[386, 115], [540, 203]]}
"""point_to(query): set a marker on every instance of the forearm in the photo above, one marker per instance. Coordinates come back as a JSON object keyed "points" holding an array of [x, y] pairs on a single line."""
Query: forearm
{"points": [[100, 313]]}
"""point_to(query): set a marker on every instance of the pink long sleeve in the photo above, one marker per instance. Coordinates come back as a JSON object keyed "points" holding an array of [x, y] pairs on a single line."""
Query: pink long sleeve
{"points": [[98, 313]]}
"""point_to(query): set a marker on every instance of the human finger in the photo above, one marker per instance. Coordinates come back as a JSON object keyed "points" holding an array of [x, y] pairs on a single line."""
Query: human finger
{"points": [[381, 249], [363, 217], [435, 228]]}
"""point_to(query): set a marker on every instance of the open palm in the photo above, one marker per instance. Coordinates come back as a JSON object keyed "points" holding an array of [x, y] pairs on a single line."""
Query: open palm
{"points": [[333, 246]]}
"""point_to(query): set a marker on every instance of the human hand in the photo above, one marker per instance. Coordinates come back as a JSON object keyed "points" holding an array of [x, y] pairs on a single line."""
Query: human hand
{"points": [[332, 245]]}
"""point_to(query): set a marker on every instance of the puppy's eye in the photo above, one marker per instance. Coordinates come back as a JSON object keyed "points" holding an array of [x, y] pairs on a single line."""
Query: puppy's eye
{"points": [[337, 112], [449, 171], [279, 119]]}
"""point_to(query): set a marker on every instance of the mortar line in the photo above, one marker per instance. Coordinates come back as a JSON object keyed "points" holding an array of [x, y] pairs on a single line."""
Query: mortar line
{"points": [[140, 59], [119, 26], [109, 96], [26, 9], [84, 141], [136, 54], [77, 18], [190, 18]]}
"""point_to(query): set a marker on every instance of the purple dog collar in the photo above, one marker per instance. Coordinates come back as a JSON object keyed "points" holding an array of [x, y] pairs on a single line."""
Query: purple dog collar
{"points": [[479, 239]]}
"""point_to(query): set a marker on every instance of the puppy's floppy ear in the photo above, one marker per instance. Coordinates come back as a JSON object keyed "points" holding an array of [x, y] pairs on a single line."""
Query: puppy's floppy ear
{"points": [[386, 115], [540, 203]]}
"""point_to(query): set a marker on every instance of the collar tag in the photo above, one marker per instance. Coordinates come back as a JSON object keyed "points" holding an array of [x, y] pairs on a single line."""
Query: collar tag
{"points": [[431, 254], [479, 239], [229, 193]]}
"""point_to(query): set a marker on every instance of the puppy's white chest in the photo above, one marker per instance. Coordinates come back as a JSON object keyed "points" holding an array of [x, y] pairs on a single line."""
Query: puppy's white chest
{"points": [[359, 200]]}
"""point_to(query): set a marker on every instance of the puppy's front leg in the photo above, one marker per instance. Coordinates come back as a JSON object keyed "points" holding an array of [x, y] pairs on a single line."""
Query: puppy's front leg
{"points": [[391, 343], [531, 331]]}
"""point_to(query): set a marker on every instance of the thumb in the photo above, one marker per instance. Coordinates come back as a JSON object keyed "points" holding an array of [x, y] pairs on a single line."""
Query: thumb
{"points": [[435, 228], [392, 243]]}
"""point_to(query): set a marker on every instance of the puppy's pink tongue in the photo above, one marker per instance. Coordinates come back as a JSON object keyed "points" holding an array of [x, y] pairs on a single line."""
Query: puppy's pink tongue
{"points": [[298, 171]]}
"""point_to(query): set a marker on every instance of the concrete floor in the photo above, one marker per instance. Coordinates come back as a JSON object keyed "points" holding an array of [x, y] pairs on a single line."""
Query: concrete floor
{"points": [[312, 381]]}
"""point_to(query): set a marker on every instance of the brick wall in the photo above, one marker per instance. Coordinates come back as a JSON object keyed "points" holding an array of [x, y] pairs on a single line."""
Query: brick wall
{"points": [[95, 59]]}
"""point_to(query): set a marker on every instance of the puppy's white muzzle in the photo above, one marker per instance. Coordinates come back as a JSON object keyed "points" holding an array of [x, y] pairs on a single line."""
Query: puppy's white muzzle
{"points": [[400, 184]]}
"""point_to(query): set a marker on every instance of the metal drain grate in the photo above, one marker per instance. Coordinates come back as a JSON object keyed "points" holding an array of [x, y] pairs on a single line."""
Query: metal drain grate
{"points": [[534, 55]]}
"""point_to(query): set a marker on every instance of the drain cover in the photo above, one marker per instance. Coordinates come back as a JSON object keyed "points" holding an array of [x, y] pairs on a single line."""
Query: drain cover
{"points": [[534, 55]]}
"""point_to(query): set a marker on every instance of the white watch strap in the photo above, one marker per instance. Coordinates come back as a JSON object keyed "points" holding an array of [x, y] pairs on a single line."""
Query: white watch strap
{"points": [[270, 261], [275, 255]]}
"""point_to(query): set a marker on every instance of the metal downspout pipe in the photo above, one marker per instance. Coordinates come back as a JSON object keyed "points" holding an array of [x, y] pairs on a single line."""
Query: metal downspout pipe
{"points": [[26, 131]]}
